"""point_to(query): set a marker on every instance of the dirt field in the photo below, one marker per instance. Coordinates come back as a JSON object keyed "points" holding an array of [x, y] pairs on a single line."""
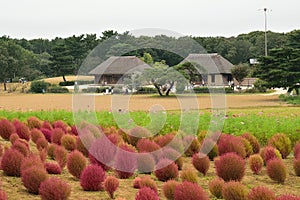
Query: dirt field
{"points": [[31, 102]]}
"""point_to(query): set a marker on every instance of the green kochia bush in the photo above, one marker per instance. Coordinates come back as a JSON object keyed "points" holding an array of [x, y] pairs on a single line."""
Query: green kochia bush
{"points": [[256, 163], [276, 170], [169, 189], [76, 162], [281, 142], [234, 191], [215, 187]]}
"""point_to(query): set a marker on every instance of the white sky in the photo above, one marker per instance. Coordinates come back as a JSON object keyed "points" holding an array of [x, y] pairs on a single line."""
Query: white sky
{"points": [[50, 18]]}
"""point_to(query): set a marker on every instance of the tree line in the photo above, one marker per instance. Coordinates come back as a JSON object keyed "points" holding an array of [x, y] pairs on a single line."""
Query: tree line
{"points": [[37, 58]]}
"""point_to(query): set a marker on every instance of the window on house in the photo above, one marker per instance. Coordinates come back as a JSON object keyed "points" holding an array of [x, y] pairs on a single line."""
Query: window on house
{"points": [[213, 78]]}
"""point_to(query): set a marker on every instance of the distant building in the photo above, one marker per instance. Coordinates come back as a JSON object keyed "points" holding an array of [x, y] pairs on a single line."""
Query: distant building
{"points": [[116, 68], [215, 70]]}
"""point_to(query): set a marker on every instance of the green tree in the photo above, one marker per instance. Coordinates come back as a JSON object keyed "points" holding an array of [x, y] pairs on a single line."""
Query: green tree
{"points": [[281, 68], [147, 58], [240, 72]]}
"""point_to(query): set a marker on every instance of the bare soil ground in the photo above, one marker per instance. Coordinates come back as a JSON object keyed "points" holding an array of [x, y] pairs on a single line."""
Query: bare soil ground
{"points": [[32, 102]]}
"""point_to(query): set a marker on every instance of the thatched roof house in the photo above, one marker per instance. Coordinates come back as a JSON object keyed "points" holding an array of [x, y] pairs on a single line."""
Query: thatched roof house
{"points": [[116, 68], [215, 69]]}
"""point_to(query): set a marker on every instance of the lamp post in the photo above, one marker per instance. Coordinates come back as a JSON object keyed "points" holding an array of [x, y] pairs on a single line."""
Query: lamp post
{"points": [[266, 38]]}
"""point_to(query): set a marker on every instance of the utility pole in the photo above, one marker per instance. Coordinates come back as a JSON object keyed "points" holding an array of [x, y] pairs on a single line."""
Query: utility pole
{"points": [[266, 29]]}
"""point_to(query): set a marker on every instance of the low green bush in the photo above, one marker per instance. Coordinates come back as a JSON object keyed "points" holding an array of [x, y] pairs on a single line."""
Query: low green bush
{"points": [[206, 90], [39, 86], [57, 89], [146, 90]]}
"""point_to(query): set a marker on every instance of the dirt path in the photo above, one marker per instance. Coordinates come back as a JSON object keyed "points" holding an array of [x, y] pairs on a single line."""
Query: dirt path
{"points": [[32, 102]]}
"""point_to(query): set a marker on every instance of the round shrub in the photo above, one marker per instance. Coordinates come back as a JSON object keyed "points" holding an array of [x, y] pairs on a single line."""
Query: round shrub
{"points": [[189, 175], [215, 187], [296, 165], [146, 145], [115, 138], [137, 133], [145, 163], [173, 155], [287, 197], [189, 191], [43, 155], [193, 145], [22, 130], [269, 153], [164, 140], [276, 170], [56, 135], [81, 147], [69, 142], [230, 143], [6, 128], [60, 124], [46, 125], [125, 164], [50, 150], [201, 162], [41, 144], [33, 177], [34, 122], [76, 162], [22, 147], [297, 151], [234, 191], [256, 163], [13, 137], [31, 161], [52, 168], [206, 148], [54, 189], [230, 166], [3, 195], [47, 133], [137, 183], [146, 193], [36, 134], [253, 141], [248, 147], [168, 189], [11, 162], [261, 193], [60, 156], [92, 178], [146, 181], [165, 170], [281, 142], [74, 130], [111, 184]]}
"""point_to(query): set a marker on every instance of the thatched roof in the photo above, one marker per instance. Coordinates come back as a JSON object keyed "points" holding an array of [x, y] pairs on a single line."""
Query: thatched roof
{"points": [[120, 65], [212, 63]]}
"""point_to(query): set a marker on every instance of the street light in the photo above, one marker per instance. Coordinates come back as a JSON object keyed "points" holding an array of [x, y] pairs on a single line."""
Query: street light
{"points": [[266, 29]]}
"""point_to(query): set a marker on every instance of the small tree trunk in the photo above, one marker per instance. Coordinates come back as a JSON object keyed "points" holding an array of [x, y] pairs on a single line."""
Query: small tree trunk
{"points": [[64, 78], [4, 84], [158, 89], [169, 89]]}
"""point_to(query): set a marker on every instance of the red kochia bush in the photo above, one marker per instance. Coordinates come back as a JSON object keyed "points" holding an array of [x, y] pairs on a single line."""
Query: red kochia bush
{"points": [[261, 193], [281, 142], [54, 189], [287, 197], [46, 125], [33, 177], [230, 166], [3, 195], [56, 135], [41, 144], [230, 143], [22, 130], [146, 193], [297, 151], [276, 170], [47, 133], [201, 162], [111, 184], [68, 141], [189, 191], [13, 137], [31, 161], [11, 162], [234, 191], [145, 163], [148, 182], [269, 153], [168, 189], [146, 145], [125, 161], [74, 130], [53, 168], [92, 178], [296, 166], [256, 163], [193, 145], [60, 155], [137, 183], [165, 170], [6, 129], [34, 122], [81, 147], [173, 155], [215, 187], [76, 162], [21, 146], [253, 141], [136, 134], [60, 124], [164, 139], [36, 134]]}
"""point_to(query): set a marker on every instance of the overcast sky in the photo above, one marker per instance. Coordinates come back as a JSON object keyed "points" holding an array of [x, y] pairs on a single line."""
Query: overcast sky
{"points": [[50, 18]]}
